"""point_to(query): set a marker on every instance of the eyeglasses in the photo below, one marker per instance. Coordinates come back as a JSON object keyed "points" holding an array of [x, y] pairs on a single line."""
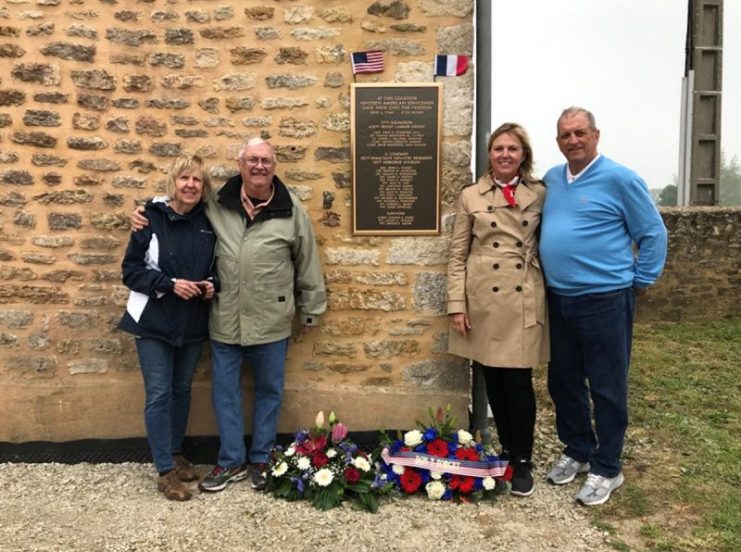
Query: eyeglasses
{"points": [[255, 161]]}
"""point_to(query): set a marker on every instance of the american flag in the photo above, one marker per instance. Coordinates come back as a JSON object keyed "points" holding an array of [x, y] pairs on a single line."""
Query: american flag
{"points": [[367, 62]]}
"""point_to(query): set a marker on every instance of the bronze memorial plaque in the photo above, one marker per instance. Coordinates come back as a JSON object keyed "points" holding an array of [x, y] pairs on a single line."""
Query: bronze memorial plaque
{"points": [[395, 144]]}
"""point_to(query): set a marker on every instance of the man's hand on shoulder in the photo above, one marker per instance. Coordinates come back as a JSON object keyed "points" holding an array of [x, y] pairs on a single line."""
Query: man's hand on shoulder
{"points": [[137, 219]]}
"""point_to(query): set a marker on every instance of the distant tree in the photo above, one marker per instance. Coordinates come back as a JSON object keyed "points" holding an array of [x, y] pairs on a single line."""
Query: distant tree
{"points": [[730, 181], [668, 196]]}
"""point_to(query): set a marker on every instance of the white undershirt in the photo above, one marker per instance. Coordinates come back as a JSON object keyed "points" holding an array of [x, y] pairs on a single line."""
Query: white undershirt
{"points": [[571, 177]]}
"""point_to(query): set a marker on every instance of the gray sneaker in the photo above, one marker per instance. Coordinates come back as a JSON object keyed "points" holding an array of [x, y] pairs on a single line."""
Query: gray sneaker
{"points": [[220, 477], [565, 470], [597, 489]]}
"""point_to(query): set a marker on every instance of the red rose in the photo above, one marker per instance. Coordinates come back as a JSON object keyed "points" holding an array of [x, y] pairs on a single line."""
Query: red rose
{"points": [[455, 482], [410, 481], [320, 460], [507, 473], [438, 447], [352, 475]]}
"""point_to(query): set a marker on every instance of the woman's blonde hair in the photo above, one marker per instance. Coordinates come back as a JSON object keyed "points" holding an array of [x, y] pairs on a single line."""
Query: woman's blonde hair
{"points": [[526, 168], [183, 163]]}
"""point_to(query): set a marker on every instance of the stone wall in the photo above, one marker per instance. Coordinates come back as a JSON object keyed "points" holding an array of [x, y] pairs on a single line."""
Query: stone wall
{"points": [[702, 278], [97, 96]]}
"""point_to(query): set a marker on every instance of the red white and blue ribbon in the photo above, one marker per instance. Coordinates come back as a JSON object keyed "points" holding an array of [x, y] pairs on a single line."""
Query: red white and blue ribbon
{"points": [[495, 468]]}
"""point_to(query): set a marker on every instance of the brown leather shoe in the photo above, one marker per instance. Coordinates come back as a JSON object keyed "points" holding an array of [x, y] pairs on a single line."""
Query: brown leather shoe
{"points": [[172, 487], [184, 469]]}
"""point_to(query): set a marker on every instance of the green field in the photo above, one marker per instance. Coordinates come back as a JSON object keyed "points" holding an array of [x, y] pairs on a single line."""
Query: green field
{"points": [[683, 448]]}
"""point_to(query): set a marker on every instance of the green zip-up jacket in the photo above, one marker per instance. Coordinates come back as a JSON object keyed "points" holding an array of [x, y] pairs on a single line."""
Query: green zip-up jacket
{"points": [[267, 267]]}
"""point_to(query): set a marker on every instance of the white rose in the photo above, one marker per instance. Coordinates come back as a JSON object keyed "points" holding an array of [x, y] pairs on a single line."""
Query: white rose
{"points": [[413, 438], [331, 453], [280, 469], [489, 483], [290, 451], [398, 470], [435, 490], [435, 475], [362, 464], [303, 463], [323, 477], [464, 437]]}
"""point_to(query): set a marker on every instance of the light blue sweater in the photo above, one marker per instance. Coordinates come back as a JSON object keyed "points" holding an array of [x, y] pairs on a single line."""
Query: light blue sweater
{"points": [[589, 228]]}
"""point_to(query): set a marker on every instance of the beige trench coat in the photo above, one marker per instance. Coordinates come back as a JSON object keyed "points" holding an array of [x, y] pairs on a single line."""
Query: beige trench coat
{"points": [[494, 275]]}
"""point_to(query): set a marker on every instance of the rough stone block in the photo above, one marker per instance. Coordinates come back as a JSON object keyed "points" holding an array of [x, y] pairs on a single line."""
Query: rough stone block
{"points": [[222, 33], [70, 51], [12, 97], [291, 55], [396, 9], [16, 319], [85, 121], [178, 37], [41, 117], [137, 83], [46, 160], [172, 61], [260, 13], [365, 299], [11, 51], [11, 293], [37, 139], [131, 38], [16, 177], [92, 101]]}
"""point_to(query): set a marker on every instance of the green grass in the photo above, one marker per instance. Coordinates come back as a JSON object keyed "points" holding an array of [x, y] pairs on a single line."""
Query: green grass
{"points": [[683, 449]]}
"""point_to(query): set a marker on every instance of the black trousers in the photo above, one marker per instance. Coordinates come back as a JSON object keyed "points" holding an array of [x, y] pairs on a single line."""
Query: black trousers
{"points": [[512, 400]]}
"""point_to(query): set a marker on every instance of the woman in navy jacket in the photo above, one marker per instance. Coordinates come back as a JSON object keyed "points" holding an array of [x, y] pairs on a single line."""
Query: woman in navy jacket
{"points": [[169, 268]]}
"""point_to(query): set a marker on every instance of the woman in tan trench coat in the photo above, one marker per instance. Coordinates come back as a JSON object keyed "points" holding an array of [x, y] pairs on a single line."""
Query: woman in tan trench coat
{"points": [[496, 294]]}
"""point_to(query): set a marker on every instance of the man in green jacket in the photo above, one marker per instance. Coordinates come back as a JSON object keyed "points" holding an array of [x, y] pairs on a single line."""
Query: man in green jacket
{"points": [[268, 265]]}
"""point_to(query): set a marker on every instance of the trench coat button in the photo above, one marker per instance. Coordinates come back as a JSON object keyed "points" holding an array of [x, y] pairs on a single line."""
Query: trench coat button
{"points": [[519, 265], [496, 266], [495, 289], [519, 244], [489, 208], [518, 288], [496, 244], [493, 224], [524, 223]]}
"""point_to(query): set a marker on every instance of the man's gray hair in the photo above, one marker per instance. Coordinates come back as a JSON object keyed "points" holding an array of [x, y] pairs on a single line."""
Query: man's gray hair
{"points": [[575, 110], [255, 141]]}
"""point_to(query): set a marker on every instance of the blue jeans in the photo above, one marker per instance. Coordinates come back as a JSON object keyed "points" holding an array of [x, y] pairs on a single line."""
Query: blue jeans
{"points": [[268, 363], [591, 338], [168, 374]]}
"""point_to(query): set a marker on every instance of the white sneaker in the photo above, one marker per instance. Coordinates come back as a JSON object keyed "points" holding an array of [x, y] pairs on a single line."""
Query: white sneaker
{"points": [[597, 489], [565, 470]]}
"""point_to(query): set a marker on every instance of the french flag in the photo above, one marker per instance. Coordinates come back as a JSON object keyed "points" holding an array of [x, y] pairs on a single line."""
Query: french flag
{"points": [[450, 65]]}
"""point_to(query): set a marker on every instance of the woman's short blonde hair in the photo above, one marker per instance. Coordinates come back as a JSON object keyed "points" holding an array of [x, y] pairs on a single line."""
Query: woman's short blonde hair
{"points": [[183, 163], [526, 168]]}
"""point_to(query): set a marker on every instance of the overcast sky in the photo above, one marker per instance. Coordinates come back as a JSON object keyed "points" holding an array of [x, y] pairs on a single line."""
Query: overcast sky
{"points": [[621, 59]]}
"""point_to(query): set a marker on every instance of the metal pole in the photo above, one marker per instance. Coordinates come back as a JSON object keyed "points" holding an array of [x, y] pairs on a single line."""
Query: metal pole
{"points": [[479, 403]]}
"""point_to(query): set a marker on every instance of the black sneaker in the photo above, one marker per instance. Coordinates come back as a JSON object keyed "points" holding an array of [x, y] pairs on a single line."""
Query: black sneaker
{"points": [[522, 478], [259, 477], [220, 477]]}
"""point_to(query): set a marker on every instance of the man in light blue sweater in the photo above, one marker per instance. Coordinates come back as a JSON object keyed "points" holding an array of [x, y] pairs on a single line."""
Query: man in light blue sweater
{"points": [[603, 242]]}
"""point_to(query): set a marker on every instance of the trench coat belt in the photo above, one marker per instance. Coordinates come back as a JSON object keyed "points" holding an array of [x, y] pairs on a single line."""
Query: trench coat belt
{"points": [[529, 261]]}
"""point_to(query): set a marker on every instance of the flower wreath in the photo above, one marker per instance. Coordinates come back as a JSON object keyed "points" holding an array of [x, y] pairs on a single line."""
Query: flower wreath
{"points": [[446, 464]]}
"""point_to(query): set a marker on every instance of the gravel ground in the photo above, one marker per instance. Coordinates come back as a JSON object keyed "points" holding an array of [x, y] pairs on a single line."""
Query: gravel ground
{"points": [[115, 507]]}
